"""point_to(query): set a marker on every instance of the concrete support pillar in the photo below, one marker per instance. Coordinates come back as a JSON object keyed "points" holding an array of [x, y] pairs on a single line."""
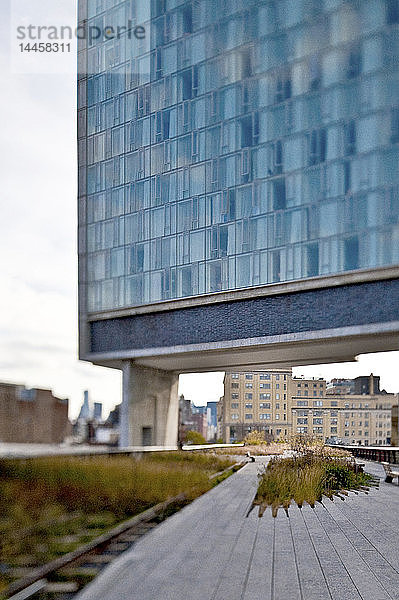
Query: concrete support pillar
{"points": [[150, 407]]}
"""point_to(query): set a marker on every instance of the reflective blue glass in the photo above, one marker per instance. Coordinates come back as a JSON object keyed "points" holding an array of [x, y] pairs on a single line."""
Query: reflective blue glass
{"points": [[239, 144]]}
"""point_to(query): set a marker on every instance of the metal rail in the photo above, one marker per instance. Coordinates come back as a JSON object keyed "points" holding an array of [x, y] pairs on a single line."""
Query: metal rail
{"points": [[389, 454]]}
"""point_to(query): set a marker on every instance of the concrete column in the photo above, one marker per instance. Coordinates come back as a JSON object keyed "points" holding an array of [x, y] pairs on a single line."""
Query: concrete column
{"points": [[150, 407]]}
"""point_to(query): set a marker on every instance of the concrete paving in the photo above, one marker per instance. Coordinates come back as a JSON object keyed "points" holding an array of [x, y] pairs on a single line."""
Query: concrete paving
{"points": [[341, 550]]}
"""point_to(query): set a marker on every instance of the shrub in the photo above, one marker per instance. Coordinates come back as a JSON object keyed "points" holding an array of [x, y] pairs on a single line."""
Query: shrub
{"points": [[254, 438], [194, 437]]}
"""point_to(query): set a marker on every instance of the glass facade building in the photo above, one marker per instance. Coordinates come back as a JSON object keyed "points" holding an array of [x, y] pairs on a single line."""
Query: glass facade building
{"points": [[238, 143]]}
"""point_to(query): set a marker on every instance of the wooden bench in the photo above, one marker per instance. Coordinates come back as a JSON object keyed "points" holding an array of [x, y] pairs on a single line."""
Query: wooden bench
{"points": [[390, 473]]}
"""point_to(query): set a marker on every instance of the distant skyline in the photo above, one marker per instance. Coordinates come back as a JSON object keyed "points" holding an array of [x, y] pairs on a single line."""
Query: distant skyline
{"points": [[38, 262]]}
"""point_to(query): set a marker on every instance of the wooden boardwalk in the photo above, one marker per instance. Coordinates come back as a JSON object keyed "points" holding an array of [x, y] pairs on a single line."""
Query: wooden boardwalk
{"points": [[341, 550]]}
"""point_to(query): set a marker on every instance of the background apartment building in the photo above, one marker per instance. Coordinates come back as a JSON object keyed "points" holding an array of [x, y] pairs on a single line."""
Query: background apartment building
{"points": [[257, 401], [279, 405], [32, 416]]}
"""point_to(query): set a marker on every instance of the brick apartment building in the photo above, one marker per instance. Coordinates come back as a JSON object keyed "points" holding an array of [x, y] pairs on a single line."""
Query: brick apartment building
{"points": [[279, 404], [32, 415]]}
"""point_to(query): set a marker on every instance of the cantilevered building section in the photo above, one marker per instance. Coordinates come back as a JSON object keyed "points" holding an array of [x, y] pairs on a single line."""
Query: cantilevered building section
{"points": [[238, 190]]}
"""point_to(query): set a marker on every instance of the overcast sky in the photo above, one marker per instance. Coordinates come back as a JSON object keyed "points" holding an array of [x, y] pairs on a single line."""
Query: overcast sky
{"points": [[38, 264]]}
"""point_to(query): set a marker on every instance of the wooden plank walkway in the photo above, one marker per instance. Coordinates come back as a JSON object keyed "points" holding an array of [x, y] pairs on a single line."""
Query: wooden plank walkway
{"points": [[341, 550]]}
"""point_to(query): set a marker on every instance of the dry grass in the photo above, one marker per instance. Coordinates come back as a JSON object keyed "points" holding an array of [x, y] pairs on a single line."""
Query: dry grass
{"points": [[256, 450], [49, 506], [305, 479]]}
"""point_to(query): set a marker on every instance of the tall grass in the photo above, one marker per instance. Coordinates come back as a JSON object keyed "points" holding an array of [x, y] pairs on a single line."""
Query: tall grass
{"points": [[303, 479], [122, 485], [49, 506]]}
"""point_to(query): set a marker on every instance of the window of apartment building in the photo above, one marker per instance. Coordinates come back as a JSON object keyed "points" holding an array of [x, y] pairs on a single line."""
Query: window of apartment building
{"points": [[264, 405], [264, 376], [334, 422], [334, 403], [359, 433], [264, 416], [350, 138], [235, 376], [354, 61], [366, 423], [334, 430], [277, 416], [277, 406], [277, 386], [248, 385], [392, 15], [302, 402], [302, 421], [248, 405], [306, 385], [248, 376], [302, 413], [317, 421], [234, 396], [277, 377], [306, 393], [235, 385], [265, 386], [346, 433], [299, 393], [366, 433], [346, 423], [285, 386], [234, 417], [314, 393], [234, 405], [318, 403], [248, 416], [346, 405], [277, 396], [299, 384], [317, 429], [317, 144], [318, 413], [302, 429], [248, 396]]}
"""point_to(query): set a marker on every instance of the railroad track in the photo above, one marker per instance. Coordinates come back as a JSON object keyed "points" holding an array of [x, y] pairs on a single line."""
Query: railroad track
{"points": [[64, 577]]}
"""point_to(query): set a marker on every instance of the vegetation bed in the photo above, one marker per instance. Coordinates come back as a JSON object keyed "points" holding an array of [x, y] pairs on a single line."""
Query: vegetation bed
{"points": [[307, 477], [51, 506]]}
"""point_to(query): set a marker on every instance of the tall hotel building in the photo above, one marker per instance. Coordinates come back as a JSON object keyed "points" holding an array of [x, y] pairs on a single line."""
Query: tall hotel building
{"points": [[238, 189]]}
